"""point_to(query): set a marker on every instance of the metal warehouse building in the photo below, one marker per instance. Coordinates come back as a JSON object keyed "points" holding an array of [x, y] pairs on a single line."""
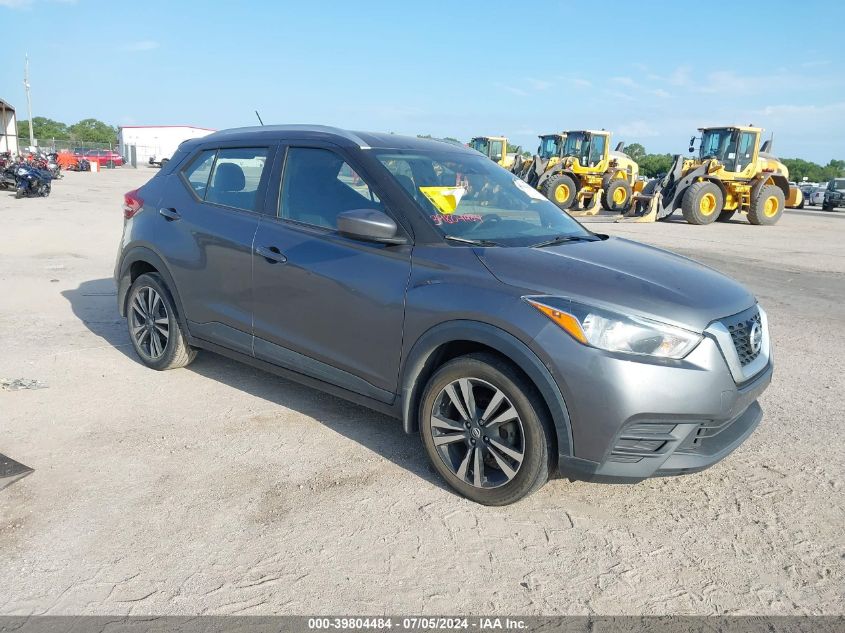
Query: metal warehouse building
{"points": [[8, 128], [159, 141]]}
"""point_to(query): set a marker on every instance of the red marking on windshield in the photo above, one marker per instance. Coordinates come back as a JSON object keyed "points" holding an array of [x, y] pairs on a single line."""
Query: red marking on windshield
{"points": [[454, 219]]}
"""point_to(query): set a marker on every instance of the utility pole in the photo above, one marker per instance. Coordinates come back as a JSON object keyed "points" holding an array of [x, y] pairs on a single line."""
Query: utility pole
{"points": [[28, 100]]}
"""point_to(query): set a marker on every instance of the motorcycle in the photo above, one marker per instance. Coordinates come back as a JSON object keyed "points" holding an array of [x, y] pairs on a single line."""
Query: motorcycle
{"points": [[53, 165], [31, 181]]}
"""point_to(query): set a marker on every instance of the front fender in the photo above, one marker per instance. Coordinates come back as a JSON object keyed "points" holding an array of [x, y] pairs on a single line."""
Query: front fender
{"points": [[424, 356]]}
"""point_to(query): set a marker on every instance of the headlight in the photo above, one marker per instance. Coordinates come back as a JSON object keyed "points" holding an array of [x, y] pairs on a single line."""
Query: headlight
{"points": [[616, 332]]}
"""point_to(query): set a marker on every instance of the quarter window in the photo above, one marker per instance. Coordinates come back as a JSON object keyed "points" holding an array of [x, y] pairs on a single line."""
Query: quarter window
{"points": [[199, 170], [236, 176], [318, 185]]}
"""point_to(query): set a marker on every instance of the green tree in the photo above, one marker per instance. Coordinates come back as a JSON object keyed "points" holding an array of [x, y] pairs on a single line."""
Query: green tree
{"points": [[635, 151], [92, 130], [44, 128], [652, 165]]}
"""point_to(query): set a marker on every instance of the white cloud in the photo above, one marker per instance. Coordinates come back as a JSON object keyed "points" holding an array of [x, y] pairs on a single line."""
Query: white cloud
{"points": [[636, 130], [141, 45], [624, 81], [538, 84], [512, 89]]}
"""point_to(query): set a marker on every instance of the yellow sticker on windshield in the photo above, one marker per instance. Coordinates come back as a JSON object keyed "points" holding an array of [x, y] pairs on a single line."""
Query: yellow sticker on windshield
{"points": [[445, 199]]}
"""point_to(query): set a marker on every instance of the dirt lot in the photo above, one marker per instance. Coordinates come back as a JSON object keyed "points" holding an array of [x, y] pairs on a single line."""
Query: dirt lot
{"points": [[221, 489]]}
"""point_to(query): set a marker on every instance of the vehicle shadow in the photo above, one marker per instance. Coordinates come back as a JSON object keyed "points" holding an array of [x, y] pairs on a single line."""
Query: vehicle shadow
{"points": [[93, 303]]}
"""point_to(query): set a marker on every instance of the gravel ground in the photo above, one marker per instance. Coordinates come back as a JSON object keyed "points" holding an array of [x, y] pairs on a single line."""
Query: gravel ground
{"points": [[220, 489]]}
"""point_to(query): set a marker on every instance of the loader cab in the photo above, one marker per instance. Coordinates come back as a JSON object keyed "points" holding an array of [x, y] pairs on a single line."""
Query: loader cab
{"points": [[734, 147], [493, 147], [590, 148], [551, 145]]}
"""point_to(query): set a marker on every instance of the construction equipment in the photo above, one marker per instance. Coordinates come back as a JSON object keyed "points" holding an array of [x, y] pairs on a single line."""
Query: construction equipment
{"points": [[549, 153], [587, 174], [496, 149], [729, 175]]}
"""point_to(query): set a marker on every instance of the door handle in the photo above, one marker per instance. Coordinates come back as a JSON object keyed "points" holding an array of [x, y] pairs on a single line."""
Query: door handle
{"points": [[271, 254], [169, 214]]}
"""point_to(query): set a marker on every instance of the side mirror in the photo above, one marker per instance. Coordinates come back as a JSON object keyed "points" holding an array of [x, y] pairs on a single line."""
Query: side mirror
{"points": [[369, 225], [691, 149]]}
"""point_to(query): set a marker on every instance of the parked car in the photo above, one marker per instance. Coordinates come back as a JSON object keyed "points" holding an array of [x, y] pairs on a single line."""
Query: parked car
{"points": [[80, 152], [816, 196], [105, 157], [834, 194], [424, 281]]}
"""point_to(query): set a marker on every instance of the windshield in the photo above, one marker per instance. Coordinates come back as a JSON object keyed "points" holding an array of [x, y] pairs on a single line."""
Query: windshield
{"points": [[718, 144], [471, 198], [586, 147], [839, 183], [549, 146], [481, 145]]}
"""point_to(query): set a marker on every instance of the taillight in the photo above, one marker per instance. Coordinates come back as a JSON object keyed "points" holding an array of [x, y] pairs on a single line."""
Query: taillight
{"points": [[132, 203]]}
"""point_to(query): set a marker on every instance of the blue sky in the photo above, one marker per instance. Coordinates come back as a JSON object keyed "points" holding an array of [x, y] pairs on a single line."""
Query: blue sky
{"points": [[651, 75]]}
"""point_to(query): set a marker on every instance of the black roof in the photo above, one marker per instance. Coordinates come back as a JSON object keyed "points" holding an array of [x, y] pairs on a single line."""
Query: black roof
{"points": [[347, 138]]}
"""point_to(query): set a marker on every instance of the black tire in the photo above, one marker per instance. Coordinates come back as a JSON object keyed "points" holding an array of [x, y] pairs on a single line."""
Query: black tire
{"points": [[529, 431], [617, 195], [826, 207], [767, 206], [725, 216], [561, 189], [702, 202], [175, 352]]}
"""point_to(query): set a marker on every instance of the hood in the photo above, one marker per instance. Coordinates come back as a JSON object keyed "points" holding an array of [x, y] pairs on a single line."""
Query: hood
{"points": [[624, 276]]}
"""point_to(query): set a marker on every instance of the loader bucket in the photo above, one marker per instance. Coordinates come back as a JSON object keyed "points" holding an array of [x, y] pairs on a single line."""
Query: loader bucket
{"points": [[593, 209], [644, 208]]}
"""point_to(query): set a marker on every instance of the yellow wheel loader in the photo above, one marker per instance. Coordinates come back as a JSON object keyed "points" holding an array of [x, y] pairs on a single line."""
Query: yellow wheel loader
{"points": [[588, 173], [729, 175], [495, 148], [548, 155]]}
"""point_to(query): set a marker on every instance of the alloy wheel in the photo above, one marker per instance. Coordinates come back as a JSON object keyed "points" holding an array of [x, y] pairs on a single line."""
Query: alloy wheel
{"points": [[478, 433], [149, 322]]}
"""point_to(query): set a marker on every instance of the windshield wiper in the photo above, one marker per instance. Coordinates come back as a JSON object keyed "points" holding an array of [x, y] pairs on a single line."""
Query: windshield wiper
{"points": [[562, 239], [463, 240]]}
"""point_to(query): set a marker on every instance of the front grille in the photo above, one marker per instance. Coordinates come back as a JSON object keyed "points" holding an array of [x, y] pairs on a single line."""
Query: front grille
{"points": [[740, 328]]}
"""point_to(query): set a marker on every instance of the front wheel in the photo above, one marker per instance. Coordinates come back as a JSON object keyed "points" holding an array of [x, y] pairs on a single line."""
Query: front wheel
{"points": [[485, 430], [702, 202], [155, 331], [561, 190], [617, 195]]}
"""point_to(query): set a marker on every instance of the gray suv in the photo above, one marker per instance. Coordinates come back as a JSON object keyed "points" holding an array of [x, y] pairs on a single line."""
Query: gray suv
{"points": [[422, 280]]}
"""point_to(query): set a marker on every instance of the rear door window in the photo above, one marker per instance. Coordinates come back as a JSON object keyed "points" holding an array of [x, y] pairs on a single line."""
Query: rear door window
{"points": [[236, 176], [198, 171]]}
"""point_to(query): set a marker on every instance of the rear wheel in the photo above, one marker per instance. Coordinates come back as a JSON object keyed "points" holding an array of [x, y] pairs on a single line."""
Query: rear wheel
{"points": [[617, 195], [702, 203], [561, 190], [484, 428], [155, 331], [767, 206]]}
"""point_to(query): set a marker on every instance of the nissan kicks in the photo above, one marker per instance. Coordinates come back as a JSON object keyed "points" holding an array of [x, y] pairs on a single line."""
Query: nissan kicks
{"points": [[422, 280]]}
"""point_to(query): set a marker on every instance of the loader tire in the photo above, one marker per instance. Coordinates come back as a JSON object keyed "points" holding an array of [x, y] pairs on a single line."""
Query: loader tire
{"points": [[617, 195], [561, 190], [767, 206], [725, 216], [702, 203]]}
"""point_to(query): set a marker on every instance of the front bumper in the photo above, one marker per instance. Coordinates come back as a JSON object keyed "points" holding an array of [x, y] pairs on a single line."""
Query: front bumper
{"points": [[632, 419]]}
